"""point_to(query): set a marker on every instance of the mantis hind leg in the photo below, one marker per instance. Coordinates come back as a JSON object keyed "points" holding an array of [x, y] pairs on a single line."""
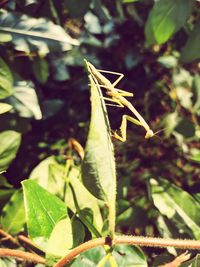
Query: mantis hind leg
{"points": [[123, 127]]}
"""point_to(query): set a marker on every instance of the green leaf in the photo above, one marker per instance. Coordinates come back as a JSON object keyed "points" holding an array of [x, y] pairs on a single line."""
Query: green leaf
{"points": [[61, 239], [98, 169], [24, 100], [167, 230], [182, 77], [41, 70], [84, 198], [177, 205], [43, 211], [50, 175], [130, 215], [34, 34], [191, 50], [92, 23], [5, 195], [184, 96], [196, 158], [83, 7], [170, 122], [196, 90], [168, 61], [6, 80], [6, 191], [186, 128], [195, 262], [78, 232], [4, 107], [65, 235], [9, 145], [13, 214], [8, 262], [165, 19], [125, 256], [4, 37]]}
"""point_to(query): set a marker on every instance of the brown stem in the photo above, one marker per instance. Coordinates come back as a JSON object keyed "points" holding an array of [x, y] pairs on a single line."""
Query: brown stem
{"points": [[158, 242], [131, 240], [27, 241], [5, 252], [9, 237], [83, 247]]}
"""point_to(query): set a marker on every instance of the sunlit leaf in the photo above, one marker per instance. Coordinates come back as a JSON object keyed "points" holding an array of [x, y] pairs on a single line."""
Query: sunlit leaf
{"points": [[4, 107], [24, 100], [182, 77], [168, 61], [196, 157], [4, 37], [43, 211], [167, 230], [31, 34], [6, 80], [13, 215], [170, 122], [50, 175], [184, 96], [92, 23], [165, 19], [61, 239], [9, 144], [8, 262], [177, 205]]}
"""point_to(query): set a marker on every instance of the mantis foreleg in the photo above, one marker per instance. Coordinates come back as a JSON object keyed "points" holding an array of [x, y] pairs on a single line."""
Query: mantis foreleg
{"points": [[119, 105], [123, 127]]}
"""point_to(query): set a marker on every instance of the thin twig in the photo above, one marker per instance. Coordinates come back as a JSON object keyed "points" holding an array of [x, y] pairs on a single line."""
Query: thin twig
{"points": [[131, 240], [9, 237], [29, 243], [5, 252]]}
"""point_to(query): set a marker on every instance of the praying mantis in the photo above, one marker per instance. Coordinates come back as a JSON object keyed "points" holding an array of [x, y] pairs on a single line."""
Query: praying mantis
{"points": [[117, 96]]}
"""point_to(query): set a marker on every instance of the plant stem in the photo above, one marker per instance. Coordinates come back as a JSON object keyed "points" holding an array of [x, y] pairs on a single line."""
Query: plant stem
{"points": [[5, 252], [29, 243], [131, 240], [9, 237]]}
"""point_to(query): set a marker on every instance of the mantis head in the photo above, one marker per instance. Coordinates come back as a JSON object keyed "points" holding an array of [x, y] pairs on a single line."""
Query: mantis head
{"points": [[149, 134]]}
